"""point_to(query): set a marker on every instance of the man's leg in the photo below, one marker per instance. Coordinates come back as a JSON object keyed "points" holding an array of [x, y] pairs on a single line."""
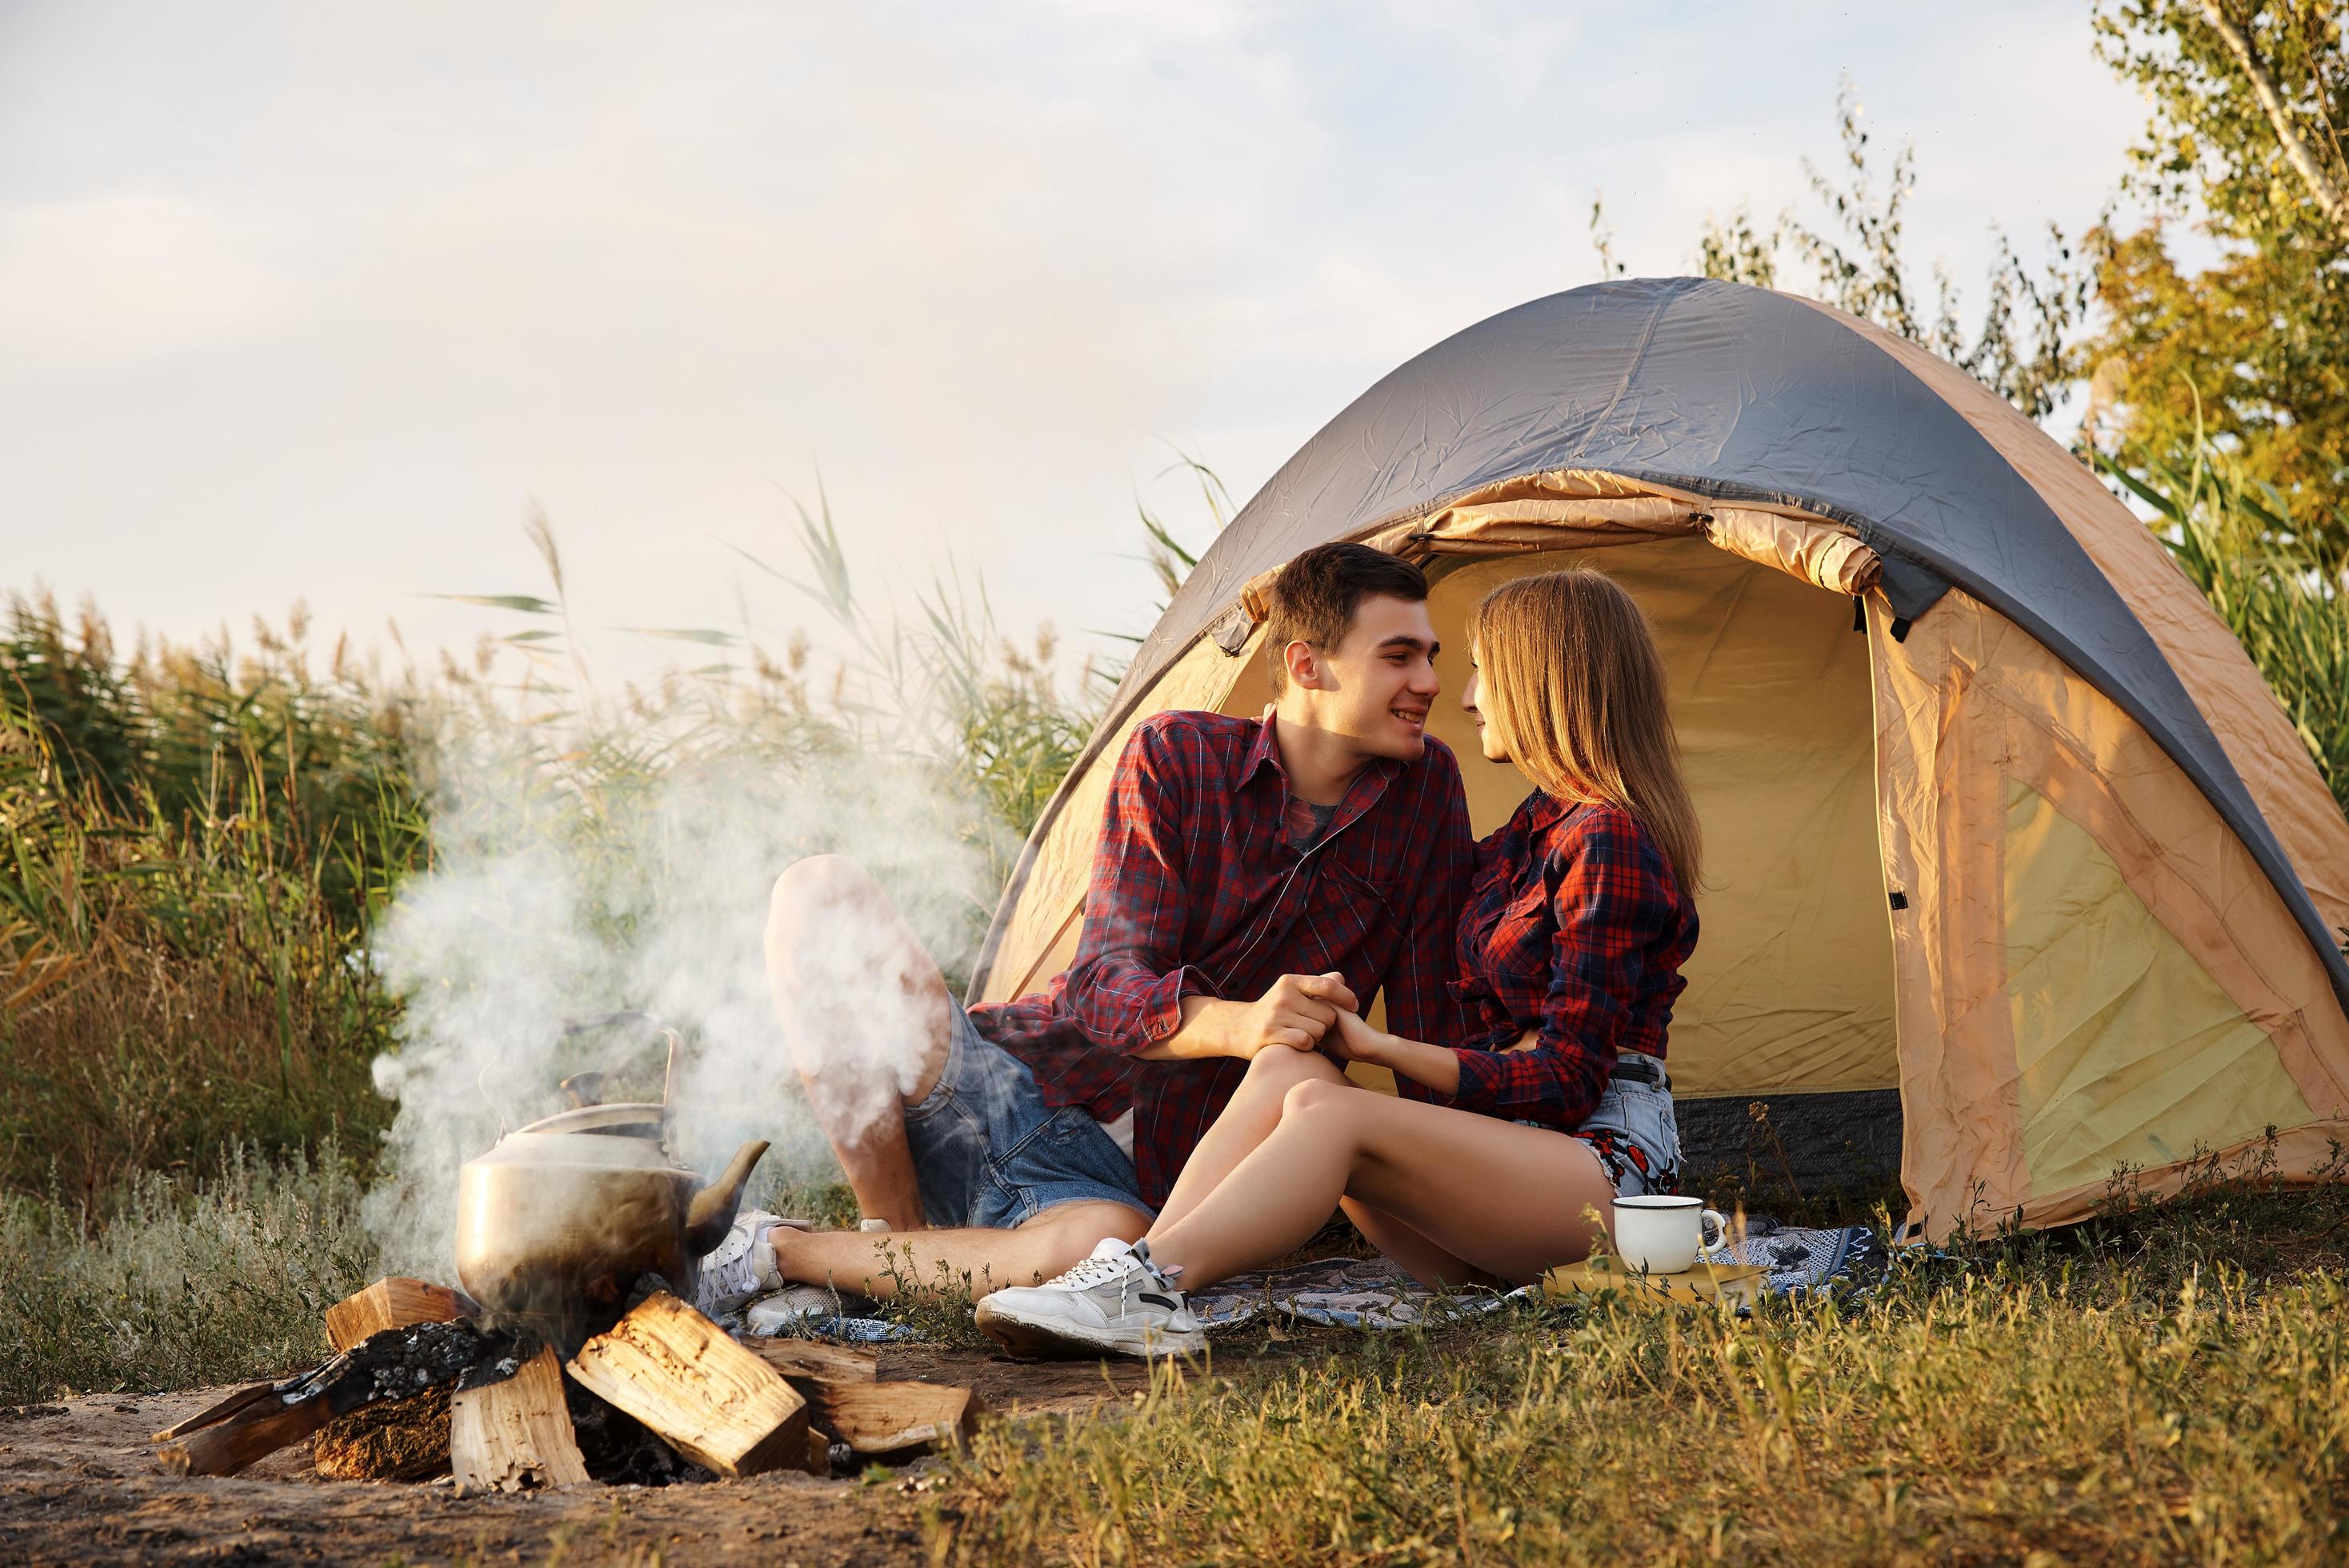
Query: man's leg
{"points": [[866, 1015], [879, 1265]]}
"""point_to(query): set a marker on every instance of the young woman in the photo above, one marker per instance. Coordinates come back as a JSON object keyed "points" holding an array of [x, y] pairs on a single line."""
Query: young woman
{"points": [[1498, 1160]]}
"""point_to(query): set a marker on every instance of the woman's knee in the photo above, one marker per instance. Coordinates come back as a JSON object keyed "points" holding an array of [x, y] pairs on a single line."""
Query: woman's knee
{"points": [[1279, 1068], [1319, 1099]]}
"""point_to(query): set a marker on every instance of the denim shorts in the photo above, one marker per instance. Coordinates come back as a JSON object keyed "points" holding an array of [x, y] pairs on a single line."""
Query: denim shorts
{"points": [[989, 1152], [1636, 1137]]}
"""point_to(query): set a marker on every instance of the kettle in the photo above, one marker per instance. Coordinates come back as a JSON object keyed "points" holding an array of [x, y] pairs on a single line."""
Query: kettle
{"points": [[557, 1221]]}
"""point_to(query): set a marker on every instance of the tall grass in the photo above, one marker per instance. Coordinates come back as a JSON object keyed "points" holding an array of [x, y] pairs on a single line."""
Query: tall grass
{"points": [[193, 851], [2279, 588]]}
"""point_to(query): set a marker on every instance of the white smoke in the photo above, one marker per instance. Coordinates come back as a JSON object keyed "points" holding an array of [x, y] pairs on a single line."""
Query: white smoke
{"points": [[551, 898]]}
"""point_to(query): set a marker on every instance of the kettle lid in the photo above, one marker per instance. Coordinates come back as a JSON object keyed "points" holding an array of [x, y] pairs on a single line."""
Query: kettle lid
{"points": [[645, 1119]]}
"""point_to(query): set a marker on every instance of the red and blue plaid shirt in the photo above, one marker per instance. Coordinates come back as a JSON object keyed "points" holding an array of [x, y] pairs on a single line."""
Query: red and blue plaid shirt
{"points": [[1576, 927], [1197, 892]]}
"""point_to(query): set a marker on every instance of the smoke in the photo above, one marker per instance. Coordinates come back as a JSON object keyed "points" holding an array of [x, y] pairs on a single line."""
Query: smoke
{"points": [[555, 895]]}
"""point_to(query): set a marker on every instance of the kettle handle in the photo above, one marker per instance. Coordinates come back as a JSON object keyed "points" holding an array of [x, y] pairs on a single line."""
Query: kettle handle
{"points": [[668, 1074]]}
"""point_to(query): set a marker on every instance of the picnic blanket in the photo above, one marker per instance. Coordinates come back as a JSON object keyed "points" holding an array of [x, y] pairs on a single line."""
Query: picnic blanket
{"points": [[1360, 1292], [1373, 1293]]}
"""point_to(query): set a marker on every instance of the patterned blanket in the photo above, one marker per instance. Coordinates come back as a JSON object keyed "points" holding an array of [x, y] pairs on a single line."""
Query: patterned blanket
{"points": [[1357, 1292]]}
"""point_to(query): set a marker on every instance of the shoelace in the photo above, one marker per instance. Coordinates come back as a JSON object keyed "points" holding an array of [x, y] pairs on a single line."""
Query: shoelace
{"points": [[1093, 1272]]}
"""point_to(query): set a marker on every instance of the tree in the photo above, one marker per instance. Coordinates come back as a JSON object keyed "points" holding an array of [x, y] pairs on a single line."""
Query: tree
{"points": [[2248, 97], [2024, 348]]}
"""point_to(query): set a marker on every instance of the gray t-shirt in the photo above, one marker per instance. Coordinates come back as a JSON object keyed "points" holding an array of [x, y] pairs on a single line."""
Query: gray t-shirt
{"points": [[1307, 824]]}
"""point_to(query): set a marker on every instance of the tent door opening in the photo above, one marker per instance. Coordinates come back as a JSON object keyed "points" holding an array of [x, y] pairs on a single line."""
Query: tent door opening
{"points": [[1790, 997]]}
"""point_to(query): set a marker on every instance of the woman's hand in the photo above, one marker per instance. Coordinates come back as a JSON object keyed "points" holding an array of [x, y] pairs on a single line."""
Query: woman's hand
{"points": [[1354, 1040]]}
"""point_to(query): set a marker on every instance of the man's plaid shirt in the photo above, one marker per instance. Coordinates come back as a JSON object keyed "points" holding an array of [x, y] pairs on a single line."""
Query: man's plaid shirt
{"points": [[1197, 892], [1575, 926]]}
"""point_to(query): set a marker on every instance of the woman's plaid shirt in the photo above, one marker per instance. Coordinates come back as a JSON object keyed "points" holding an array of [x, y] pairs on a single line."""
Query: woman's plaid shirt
{"points": [[1575, 926], [1197, 892]]}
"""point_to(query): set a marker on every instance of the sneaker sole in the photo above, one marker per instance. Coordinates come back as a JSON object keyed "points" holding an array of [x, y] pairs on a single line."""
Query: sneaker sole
{"points": [[1040, 1342]]}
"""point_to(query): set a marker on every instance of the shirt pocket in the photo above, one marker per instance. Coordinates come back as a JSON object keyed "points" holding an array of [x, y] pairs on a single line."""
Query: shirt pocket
{"points": [[1350, 923]]}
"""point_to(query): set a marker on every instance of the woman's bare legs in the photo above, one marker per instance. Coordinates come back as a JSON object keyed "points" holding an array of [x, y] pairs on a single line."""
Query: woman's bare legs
{"points": [[1507, 1200], [1247, 1120]]}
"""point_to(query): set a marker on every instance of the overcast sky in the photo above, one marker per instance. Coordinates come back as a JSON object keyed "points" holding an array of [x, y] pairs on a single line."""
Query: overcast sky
{"points": [[310, 300]]}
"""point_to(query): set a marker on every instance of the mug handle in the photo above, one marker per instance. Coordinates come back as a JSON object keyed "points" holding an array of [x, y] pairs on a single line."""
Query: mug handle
{"points": [[1718, 1250]]}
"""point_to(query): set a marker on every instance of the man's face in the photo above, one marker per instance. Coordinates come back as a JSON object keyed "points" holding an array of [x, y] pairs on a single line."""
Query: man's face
{"points": [[1375, 688]]}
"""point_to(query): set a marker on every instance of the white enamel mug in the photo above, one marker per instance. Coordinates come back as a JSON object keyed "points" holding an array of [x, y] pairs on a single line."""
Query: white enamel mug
{"points": [[1664, 1234]]}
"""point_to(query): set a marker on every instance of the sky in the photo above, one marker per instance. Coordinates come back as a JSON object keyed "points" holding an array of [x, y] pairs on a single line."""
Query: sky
{"points": [[314, 301]]}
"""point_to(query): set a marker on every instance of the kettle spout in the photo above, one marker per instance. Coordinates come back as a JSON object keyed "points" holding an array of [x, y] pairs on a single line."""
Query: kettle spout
{"points": [[712, 1213]]}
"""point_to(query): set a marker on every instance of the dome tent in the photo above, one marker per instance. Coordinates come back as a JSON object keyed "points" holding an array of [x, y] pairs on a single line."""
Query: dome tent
{"points": [[2009, 849]]}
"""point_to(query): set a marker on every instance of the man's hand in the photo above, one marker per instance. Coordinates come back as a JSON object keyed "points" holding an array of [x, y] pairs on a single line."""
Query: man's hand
{"points": [[1297, 1012], [1294, 1015]]}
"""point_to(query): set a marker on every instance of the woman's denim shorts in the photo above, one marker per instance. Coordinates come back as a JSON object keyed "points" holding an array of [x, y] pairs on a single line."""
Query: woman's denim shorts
{"points": [[989, 1152], [1636, 1137]]}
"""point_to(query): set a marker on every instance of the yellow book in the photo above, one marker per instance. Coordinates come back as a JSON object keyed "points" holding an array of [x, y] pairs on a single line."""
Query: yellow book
{"points": [[1737, 1283]]}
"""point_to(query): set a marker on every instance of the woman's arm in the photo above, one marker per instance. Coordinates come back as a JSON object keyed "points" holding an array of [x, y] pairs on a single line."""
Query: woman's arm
{"points": [[1435, 1066]]}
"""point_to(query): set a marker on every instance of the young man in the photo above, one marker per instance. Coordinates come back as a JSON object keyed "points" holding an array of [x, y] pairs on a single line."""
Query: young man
{"points": [[1252, 877]]}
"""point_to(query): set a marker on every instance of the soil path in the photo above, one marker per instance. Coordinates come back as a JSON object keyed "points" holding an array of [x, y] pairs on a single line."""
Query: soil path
{"points": [[79, 1483]]}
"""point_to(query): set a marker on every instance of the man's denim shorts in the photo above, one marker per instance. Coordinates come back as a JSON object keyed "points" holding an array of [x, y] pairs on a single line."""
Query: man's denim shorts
{"points": [[989, 1152]]}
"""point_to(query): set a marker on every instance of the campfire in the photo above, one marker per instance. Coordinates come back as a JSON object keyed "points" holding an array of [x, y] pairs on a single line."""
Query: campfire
{"points": [[422, 1384]]}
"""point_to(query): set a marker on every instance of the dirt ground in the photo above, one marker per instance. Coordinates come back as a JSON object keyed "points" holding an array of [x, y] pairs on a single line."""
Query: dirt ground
{"points": [[79, 1483]]}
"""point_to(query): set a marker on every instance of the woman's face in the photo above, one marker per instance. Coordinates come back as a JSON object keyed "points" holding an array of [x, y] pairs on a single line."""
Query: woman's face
{"points": [[1488, 735]]}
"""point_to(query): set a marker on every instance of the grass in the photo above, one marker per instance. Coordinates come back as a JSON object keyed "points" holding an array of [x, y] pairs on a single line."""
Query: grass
{"points": [[2163, 1385], [179, 1281]]}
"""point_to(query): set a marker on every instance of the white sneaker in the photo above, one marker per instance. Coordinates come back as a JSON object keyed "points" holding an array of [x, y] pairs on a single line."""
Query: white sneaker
{"points": [[741, 1267], [1116, 1300]]}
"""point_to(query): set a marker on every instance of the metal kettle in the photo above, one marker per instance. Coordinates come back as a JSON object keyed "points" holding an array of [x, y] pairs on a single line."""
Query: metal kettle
{"points": [[556, 1222]]}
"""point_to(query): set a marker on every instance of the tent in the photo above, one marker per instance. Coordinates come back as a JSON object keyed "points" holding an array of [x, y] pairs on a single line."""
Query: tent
{"points": [[2012, 856]]}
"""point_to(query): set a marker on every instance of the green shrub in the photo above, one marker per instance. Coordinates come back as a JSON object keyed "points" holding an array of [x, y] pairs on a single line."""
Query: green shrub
{"points": [[177, 1281]]}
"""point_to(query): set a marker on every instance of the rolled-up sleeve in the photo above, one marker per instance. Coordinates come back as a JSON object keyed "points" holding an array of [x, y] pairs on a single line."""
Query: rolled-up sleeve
{"points": [[1125, 989]]}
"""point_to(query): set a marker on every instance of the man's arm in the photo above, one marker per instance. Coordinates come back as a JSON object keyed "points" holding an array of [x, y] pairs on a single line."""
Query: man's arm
{"points": [[1129, 989], [1293, 1014]]}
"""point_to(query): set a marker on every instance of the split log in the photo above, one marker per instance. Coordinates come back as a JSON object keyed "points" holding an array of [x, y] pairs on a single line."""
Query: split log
{"points": [[398, 1439], [253, 1423], [714, 1402], [819, 1452], [244, 1398], [393, 1303], [515, 1436], [815, 1358], [886, 1418]]}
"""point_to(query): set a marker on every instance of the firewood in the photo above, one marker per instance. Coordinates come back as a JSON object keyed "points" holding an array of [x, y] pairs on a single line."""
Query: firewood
{"points": [[393, 1303], [708, 1398], [250, 1394], [884, 1418], [397, 1439], [819, 1453], [515, 1436], [397, 1364], [815, 1358]]}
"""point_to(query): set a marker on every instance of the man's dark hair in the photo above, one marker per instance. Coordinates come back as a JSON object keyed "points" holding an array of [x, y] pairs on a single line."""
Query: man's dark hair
{"points": [[1315, 598]]}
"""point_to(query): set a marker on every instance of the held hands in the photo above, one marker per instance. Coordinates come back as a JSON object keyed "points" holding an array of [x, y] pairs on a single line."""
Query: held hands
{"points": [[1296, 1012], [1354, 1040]]}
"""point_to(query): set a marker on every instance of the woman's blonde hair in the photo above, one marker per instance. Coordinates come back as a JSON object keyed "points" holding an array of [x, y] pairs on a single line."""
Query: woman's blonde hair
{"points": [[1572, 679]]}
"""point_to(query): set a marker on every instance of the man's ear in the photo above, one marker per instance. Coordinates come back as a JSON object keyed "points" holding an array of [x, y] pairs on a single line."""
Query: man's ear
{"points": [[1303, 662]]}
